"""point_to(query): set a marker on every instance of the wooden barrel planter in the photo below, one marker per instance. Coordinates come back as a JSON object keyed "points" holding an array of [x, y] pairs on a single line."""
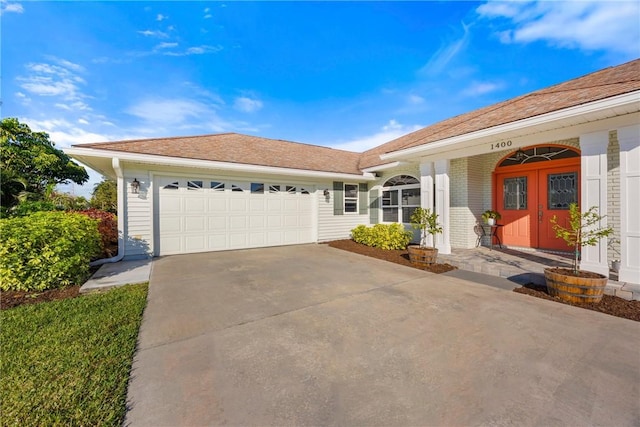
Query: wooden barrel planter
{"points": [[563, 284], [422, 256]]}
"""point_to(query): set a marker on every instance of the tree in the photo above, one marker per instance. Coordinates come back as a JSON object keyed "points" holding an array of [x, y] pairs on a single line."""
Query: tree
{"points": [[105, 196], [30, 163]]}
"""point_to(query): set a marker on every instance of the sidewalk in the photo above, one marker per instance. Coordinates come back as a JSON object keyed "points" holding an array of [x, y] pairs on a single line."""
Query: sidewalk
{"points": [[117, 274]]}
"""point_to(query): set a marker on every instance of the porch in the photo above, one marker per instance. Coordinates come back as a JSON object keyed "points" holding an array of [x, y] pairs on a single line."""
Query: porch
{"points": [[525, 266]]}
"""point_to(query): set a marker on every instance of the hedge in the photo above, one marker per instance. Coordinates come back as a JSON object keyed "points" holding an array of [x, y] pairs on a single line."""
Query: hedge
{"points": [[46, 250], [383, 236]]}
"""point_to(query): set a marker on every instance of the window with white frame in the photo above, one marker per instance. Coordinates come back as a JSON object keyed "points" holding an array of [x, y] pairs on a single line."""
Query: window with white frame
{"points": [[400, 197], [351, 198]]}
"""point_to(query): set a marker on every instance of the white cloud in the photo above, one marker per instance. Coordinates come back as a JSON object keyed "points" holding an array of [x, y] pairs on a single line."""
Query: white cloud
{"points": [[160, 17], [386, 133], [83, 122], [586, 25], [481, 88], [194, 50], [11, 8], [157, 34], [447, 52], [166, 45], [246, 104], [415, 99], [170, 111]]}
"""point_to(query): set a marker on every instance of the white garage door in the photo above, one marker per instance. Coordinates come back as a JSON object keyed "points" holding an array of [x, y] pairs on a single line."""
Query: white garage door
{"points": [[199, 215]]}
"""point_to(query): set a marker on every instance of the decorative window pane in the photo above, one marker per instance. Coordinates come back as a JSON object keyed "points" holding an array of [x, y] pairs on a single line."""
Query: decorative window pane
{"points": [[351, 198], [562, 190], [194, 185], [515, 193], [172, 186], [217, 186], [236, 188], [401, 180], [291, 189], [539, 154], [257, 188], [274, 188]]}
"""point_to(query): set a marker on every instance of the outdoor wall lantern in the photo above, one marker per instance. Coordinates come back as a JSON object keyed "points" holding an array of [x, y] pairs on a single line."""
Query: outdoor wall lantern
{"points": [[326, 192], [135, 186]]}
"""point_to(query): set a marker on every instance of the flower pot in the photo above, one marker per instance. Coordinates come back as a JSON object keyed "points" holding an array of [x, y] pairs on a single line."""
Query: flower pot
{"points": [[491, 221], [615, 265], [587, 288], [422, 256]]}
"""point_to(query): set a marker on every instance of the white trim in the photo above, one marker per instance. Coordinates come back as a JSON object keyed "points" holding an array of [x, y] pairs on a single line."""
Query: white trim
{"points": [[628, 99], [382, 167], [209, 164]]}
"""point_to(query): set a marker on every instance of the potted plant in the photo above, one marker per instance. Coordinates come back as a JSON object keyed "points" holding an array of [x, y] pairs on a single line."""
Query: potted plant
{"points": [[573, 284], [427, 222], [490, 217]]}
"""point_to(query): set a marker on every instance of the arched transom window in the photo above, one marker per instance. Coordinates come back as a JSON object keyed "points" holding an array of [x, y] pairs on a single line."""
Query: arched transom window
{"points": [[400, 197]]}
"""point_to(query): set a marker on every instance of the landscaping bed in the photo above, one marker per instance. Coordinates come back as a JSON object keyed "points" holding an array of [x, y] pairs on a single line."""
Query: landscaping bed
{"points": [[611, 305], [10, 299], [396, 256]]}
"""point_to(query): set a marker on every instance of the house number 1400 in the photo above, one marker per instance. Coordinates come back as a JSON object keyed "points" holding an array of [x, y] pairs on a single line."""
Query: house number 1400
{"points": [[503, 144]]}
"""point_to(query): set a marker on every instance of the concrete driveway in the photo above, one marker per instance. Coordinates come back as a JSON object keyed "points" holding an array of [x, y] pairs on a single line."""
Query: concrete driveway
{"points": [[311, 335]]}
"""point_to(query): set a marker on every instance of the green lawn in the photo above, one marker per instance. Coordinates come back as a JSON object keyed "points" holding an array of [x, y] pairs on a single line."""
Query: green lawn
{"points": [[68, 362]]}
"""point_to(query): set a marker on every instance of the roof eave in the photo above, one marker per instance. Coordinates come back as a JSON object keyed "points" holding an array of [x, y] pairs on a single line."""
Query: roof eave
{"points": [[630, 99], [85, 155]]}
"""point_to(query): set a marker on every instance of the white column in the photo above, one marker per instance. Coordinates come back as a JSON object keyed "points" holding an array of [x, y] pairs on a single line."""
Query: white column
{"points": [[426, 191], [442, 205], [593, 186], [629, 139]]}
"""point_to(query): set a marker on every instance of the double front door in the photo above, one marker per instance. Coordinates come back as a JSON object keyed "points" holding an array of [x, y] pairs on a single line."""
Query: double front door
{"points": [[527, 198]]}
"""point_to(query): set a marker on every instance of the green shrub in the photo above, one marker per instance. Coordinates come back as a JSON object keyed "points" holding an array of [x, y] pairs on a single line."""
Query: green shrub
{"points": [[46, 250], [383, 236]]}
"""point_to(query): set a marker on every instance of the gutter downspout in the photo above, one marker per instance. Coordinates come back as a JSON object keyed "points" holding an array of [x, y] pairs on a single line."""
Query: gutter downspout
{"points": [[120, 187]]}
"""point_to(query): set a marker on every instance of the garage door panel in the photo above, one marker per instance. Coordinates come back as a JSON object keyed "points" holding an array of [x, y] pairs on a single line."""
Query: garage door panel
{"points": [[229, 216], [194, 223], [195, 204], [237, 222], [195, 243], [217, 223], [238, 205], [217, 203]]}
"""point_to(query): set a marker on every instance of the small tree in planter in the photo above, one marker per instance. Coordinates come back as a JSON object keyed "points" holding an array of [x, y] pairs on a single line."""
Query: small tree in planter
{"points": [[574, 284], [427, 222]]}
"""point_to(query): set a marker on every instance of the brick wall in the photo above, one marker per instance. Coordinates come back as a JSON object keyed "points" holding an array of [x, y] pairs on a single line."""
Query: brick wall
{"points": [[613, 196]]}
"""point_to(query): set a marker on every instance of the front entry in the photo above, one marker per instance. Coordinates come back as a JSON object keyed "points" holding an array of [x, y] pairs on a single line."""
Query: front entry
{"points": [[532, 186]]}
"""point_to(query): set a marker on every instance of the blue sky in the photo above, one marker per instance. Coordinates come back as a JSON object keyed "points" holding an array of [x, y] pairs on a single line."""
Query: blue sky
{"points": [[349, 75]]}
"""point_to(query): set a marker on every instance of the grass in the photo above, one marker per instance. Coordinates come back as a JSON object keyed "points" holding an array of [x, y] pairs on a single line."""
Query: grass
{"points": [[67, 362]]}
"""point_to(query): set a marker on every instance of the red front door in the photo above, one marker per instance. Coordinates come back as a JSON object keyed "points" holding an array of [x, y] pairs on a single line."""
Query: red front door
{"points": [[528, 196]]}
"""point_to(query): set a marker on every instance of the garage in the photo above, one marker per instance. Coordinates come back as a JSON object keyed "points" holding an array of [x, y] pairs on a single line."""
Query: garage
{"points": [[196, 214]]}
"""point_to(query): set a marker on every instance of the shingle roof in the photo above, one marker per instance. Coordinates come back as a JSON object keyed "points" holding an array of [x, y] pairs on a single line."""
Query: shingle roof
{"points": [[592, 87], [242, 149], [252, 150]]}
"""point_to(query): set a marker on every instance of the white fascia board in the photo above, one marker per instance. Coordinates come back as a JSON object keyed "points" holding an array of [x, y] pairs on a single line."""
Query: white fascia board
{"points": [[209, 164], [567, 113], [385, 166]]}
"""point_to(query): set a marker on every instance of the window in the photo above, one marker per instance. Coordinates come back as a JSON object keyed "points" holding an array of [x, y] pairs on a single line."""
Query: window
{"points": [[217, 186], [351, 198], [172, 186], [515, 193], [400, 197], [274, 188], [562, 190], [257, 188], [236, 188], [194, 185], [304, 191], [291, 189]]}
